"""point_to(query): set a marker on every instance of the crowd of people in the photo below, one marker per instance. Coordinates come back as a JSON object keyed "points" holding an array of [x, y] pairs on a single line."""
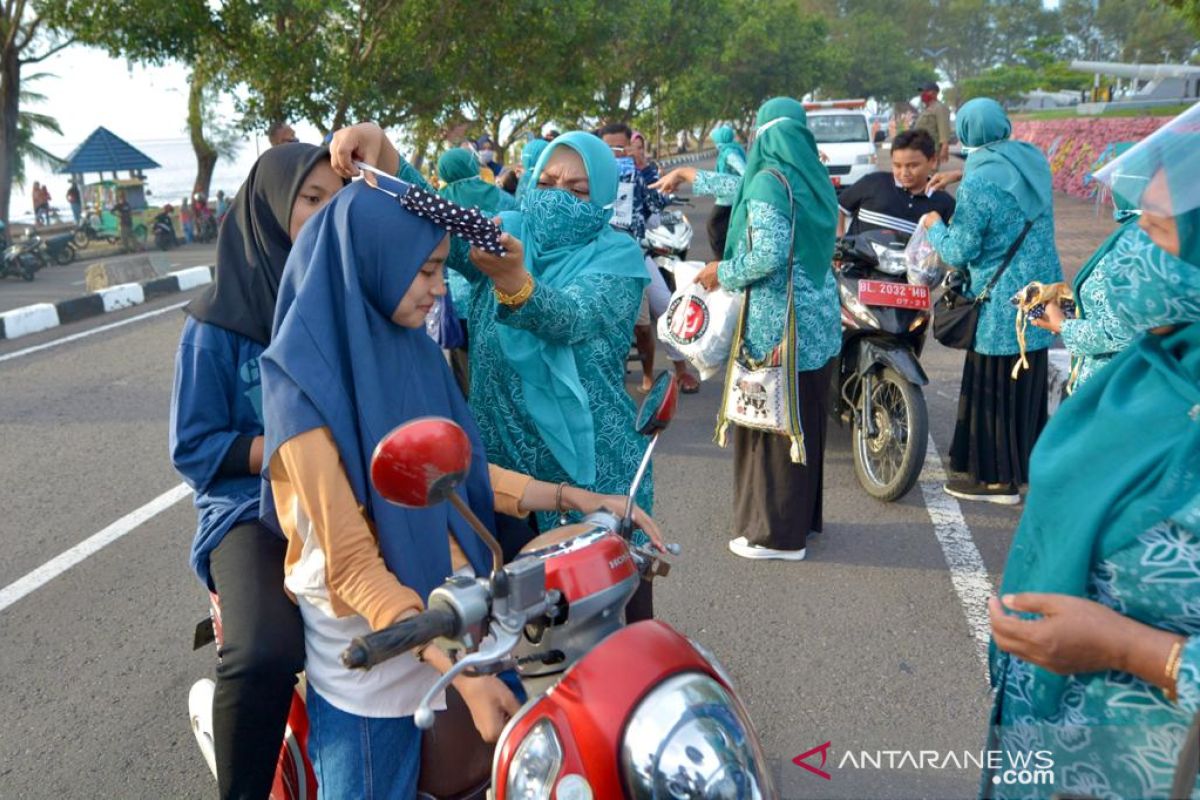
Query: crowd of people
{"points": [[313, 342]]}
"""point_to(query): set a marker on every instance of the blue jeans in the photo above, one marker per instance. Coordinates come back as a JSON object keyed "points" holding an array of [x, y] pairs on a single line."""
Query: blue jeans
{"points": [[362, 758]]}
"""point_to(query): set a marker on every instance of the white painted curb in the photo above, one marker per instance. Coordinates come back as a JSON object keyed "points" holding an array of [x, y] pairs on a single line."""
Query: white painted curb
{"points": [[122, 296], [191, 278], [29, 319]]}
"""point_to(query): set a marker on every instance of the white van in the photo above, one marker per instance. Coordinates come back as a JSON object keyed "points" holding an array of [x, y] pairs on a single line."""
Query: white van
{"points": [[844, 137]]}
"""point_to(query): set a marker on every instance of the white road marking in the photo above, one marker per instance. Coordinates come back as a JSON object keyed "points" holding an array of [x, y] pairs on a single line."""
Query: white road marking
{"points": [[968, 575], [75, 336], [90, 546]]}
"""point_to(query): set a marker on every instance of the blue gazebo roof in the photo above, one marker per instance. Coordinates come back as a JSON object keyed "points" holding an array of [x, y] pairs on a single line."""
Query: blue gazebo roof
{"points": [[104, 151]]}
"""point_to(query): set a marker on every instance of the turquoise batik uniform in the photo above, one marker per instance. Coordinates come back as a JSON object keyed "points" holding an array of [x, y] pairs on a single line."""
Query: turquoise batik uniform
{"points": [[548, 379], [1113, 734], [460, 170], [731, 160], [987, 221], [1005, 184], [818, 320]]}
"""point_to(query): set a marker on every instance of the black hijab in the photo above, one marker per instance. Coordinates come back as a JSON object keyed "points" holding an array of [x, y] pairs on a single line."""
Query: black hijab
{"points": [[253, 244]]}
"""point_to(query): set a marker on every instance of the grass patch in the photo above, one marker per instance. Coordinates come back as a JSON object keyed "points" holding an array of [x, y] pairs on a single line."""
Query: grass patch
{"points": [[1070, 113]]}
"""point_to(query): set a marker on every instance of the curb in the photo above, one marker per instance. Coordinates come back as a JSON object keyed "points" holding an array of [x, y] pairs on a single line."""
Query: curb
{"points": [[44, 316], [687, 158]]}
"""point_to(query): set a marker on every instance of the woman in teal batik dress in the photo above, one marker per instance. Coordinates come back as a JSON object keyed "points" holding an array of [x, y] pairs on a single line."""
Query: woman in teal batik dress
{"points": [[1096, 637]]}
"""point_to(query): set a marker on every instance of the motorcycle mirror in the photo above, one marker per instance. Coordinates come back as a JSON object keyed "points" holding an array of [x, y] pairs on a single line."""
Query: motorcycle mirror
{"points": [[658, 407], [420, 463]]}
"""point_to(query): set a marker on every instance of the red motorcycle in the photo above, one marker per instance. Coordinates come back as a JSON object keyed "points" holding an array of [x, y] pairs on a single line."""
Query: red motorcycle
{"points": [[670, 727]]}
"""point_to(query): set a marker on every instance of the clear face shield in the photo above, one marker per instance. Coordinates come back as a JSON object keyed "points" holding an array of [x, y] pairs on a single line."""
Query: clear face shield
{"points": [[1161, 174]]}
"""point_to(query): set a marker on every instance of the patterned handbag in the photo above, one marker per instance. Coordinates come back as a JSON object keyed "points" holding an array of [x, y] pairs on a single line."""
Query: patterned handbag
{"points": [[763, 395]]}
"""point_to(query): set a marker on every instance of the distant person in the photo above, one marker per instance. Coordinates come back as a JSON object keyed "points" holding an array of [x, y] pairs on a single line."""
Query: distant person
{"points": [[731, 160], [488, 157], [552, 135], [75, 201], [41, 204], [124, 213], [895, 201], [222, 205], [281, 133], [187, 220], [935, 119]]}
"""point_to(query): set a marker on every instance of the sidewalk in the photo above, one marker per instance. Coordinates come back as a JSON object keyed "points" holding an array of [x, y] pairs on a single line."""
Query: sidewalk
{"points": [[1080, 227]]}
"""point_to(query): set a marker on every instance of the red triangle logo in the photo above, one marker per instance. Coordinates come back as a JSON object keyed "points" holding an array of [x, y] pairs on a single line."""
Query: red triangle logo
{"points": [[801, 760]]}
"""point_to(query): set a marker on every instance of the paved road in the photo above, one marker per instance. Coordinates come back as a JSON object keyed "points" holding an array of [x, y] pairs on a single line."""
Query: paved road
{"points": [[867, 645], [56, 283]]}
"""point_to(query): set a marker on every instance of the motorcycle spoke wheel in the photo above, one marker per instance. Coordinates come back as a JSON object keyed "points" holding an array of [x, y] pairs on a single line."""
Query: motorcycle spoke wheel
{"points": [[889, 449]]}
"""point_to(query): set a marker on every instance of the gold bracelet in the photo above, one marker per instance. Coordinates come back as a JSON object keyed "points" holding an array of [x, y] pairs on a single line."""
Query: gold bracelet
{"points": [[513, 300], [1171, 670]]}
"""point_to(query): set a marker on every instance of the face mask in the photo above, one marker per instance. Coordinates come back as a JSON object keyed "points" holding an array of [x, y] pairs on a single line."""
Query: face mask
{"points": [[1149, 287], [556, 218], [487, 156]]}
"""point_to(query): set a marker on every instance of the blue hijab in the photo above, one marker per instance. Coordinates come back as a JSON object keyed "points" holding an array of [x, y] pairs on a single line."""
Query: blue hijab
{"points": [[566, 239], [1017, 168], [529, 158], [338, 361], [727, 145]]}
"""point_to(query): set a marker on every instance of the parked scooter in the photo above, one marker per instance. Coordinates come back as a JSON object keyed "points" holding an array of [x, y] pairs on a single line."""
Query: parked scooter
{"points": [[88, 231], [878, 379], [671, 727], [23, 258], [673, 236], [59, 249]]}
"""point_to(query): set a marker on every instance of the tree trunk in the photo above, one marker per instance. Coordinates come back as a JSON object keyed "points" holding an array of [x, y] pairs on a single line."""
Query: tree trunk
{"points": [[420, 145], [206, 155], [10, 89]]}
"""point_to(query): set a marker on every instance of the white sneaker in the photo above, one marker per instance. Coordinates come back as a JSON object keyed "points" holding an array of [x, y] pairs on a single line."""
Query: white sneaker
{"points": [[741, 547]]}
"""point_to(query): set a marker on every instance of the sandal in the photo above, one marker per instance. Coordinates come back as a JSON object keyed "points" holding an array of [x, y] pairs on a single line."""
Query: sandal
{"points": [[688, 383]]}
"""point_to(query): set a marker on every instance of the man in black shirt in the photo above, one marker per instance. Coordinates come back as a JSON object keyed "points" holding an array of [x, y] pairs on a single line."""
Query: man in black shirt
{"points": [[896, 200]]}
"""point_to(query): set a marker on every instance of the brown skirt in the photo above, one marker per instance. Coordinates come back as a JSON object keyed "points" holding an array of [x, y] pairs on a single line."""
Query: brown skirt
{"points": [[777, 503], [999, 419]]}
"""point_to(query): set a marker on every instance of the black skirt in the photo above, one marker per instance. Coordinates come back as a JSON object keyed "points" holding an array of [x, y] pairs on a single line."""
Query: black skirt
{"points": [[999, 419], [718, 229], [777, 503]]}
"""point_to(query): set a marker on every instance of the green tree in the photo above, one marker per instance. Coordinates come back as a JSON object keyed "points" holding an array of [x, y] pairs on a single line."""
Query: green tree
{"points": [[1188, 10], [890, 73], [29, 125]]}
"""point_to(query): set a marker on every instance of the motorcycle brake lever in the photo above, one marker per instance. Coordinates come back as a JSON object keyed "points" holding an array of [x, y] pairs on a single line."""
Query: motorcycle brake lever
{"points": [[504, 642]]}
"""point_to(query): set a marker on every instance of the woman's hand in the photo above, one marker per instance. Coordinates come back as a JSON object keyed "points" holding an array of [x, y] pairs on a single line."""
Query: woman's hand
{"points": [[491, 702], [1073, 635], [507, 271], [586, 502], [365, 142], [930, 219], [708, 277], [1052, 320], [941, 180], [674, 179]]}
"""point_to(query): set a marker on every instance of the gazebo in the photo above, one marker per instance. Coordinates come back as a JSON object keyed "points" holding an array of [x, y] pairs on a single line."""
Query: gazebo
{"points": [[105, 152]]}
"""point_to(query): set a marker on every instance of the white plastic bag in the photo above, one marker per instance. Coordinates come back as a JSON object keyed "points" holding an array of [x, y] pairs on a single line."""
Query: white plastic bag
{"points": [[698, 323], [925, 266]]}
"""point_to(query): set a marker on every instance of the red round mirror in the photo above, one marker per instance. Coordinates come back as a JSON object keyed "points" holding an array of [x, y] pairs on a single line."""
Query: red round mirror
{"points": [[420, 463], [658, 406]]}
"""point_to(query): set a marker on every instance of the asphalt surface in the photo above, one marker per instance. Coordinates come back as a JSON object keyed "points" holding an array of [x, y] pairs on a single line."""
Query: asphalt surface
{"points": [[866, 645], [54, 283]]}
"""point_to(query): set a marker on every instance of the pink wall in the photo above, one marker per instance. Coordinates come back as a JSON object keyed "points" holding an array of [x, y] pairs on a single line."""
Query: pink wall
{"points": [[1074, 145]]}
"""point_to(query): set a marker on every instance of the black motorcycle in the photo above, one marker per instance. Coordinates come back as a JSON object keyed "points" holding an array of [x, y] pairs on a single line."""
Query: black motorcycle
{"points": [[87, 232], [878, 379], [59, 248], [23, 258], [164, 232]]}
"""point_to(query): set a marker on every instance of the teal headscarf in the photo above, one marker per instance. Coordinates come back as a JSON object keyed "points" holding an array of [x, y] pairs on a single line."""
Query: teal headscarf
{"points": [[566, 239], [460, 170], [1094, 489], [1017, 168], [529, 157], [783, 142], [727, 144]]}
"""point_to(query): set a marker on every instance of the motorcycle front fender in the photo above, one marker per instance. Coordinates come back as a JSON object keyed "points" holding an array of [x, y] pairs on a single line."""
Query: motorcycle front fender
{"points": [[879, 352]]}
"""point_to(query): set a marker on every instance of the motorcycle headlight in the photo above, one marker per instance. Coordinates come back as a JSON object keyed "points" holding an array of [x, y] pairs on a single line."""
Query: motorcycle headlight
{"points": [[690, 740], [536, 764], [856, 306]]}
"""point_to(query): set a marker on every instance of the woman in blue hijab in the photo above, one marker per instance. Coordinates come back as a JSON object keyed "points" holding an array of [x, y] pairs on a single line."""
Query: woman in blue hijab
{"points": [[731, 160], [529, 157], [1096, 635], [349, 361], [1004, 203]]}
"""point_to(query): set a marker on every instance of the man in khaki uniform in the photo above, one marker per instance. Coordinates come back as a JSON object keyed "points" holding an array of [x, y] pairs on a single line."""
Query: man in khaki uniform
{"points": [[935, 118]]}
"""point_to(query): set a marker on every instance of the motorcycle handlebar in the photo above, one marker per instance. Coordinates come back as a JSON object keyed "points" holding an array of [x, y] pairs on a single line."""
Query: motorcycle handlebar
{"points": [[365, 652]]}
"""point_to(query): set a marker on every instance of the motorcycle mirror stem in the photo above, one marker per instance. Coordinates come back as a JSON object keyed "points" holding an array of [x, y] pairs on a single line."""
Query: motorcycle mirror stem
{"points": [[656, 412]]}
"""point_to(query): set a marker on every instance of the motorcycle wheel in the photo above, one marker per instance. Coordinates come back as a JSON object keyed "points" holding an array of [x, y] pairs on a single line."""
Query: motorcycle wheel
{"points": [[65, 256], [80, 239], [888, 464], [28, 271]]}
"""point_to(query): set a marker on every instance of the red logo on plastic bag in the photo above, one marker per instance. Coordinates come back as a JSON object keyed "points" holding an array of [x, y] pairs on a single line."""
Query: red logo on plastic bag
{"points": [[689, 323]]}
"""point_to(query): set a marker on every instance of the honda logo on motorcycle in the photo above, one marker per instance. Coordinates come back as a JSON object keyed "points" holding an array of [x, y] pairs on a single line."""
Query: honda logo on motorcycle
{"points": [[690, 323]]}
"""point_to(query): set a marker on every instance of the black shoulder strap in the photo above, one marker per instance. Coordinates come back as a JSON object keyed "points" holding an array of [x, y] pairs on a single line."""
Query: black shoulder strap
{"points": [[1008, 257]]}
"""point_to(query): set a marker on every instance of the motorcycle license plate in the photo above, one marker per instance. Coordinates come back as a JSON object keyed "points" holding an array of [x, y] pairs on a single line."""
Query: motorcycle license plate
{"points": [[896, 295]]}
